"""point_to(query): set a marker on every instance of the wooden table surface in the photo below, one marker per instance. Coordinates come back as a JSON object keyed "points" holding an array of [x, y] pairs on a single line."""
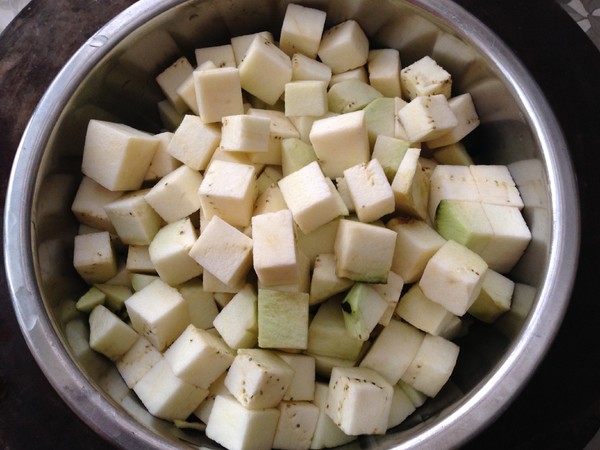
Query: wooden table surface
{"points": [[558, 409]]}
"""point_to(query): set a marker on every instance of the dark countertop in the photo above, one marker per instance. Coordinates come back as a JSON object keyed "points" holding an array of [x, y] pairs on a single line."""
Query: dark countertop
{"points": [[560, 406]]}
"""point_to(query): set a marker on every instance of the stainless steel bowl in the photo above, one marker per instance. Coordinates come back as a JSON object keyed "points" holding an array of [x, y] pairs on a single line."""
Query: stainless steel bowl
{"points": [[112, 77]]}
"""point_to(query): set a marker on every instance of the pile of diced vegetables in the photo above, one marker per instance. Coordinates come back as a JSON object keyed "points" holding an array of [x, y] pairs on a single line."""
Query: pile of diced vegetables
{"points": [[287, 266]]}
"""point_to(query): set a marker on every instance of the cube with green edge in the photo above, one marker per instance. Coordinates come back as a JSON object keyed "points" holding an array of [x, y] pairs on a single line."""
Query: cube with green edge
{"points": [[389, 151], [328, 336], [276, 308], [495, 297], [362, 308], [464, 222], [380, 115], [92, 298], [351, 95], [115, 295], [295, 154]]}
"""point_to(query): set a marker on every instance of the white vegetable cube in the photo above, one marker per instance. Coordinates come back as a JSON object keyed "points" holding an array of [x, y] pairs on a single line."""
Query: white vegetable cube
{"points": [[451, 182], [202, 306], [427, 117], [341, 142], [364, 252], [167, 396], [432, 366], [411, 186], [171, 78], [88, 204], [511, 237], [258, 378], [311, 199], [327, 433], [198, 357], [237, 322], [187, 92], [94, 257], [496, 185], [306, 98], [237, 428], [370, 191], [162, 163], [274, 254], [296, 426], [224, 251], [218, 93], [265, 70], [276, 308], [453, 277], [463, 108], [344, 47], [415, 308], [194, 142], [117, 156], [328, 336], [137, 361], [245, 133], [324, 282], [159, 313], [135, 221], [384, 71], [169, 252], [303, 383], [359, 400], [241, 44], [228, 191], [495, 297], [402, 407], [393, 350], [175, 196], [305, 68], [138, 260], [301, 30], [109, 335], [219, 55], [425, 77], [390, 292]]}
